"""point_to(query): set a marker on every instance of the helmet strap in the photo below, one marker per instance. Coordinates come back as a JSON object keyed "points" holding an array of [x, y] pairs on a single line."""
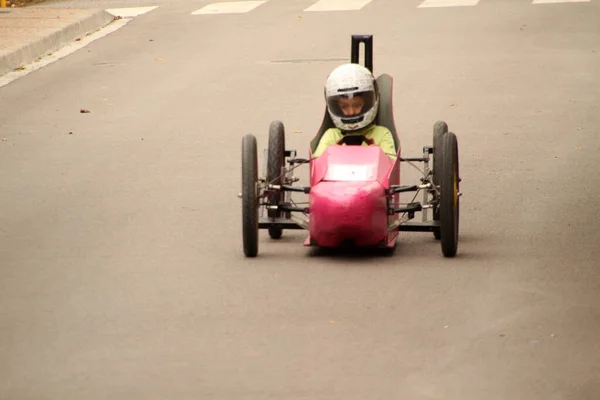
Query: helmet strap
{"points": [[343, 132]]}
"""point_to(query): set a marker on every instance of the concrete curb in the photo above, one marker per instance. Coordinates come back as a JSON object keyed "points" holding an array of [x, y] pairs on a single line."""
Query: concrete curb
{"points": [[35, 48]]}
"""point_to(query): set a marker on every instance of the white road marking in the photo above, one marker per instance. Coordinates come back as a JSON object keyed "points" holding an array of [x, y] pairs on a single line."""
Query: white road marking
{"points": [[130, 12], [64, 51], [338, 5], [559, 1], [448, 3], [232, 7]]}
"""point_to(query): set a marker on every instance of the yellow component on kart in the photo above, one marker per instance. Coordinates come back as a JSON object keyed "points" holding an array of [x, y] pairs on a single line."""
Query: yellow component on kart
{"points": [[455, 189]]}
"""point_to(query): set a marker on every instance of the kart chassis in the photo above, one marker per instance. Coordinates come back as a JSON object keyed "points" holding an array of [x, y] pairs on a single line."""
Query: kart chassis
{"points": [[268, 202]]}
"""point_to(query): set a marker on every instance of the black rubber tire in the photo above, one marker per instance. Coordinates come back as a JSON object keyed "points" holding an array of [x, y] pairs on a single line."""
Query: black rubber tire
{"points": [[275, 164], [275, 232], [440, 128], [249, 196], [449, 200]]}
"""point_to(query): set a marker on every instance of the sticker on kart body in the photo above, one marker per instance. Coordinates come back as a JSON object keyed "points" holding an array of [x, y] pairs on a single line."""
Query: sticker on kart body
{"points": [[350, 172]]}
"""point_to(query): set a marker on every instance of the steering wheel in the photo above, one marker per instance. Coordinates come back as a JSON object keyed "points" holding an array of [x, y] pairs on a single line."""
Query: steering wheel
{"points": [[352, 140]]}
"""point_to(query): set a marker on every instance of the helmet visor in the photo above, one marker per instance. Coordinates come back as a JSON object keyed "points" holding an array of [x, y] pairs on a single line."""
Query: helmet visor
{"points": [[351, 105]]}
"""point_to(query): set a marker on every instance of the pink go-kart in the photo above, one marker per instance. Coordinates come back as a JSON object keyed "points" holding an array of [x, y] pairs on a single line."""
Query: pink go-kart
{"points": [[354, 192]]}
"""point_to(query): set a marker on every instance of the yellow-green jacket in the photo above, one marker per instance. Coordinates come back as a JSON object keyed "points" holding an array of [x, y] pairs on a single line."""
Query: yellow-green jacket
{"points": [[381, 136]]}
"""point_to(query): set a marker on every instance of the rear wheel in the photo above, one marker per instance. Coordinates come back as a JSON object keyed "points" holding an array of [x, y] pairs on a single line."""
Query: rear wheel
{"points": [[440, 128], [249, 196], [449, 195], [275, 164]]}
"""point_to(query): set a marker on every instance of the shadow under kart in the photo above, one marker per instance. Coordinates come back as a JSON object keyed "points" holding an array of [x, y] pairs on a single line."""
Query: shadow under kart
{"points": [[354, 192]]}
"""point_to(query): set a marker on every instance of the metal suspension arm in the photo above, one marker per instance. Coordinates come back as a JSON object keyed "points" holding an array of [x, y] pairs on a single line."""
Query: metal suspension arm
{"points": [[288, 188], [286, 207], [402, 189]]}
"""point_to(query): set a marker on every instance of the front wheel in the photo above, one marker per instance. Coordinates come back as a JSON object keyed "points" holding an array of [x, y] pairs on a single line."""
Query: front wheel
{"points": [[440, 128], [275, 164], [275, 232], [250, 196], [449, 195]]}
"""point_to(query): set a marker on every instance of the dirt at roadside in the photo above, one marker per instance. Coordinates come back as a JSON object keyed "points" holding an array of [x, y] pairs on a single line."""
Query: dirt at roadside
{"points": [[22, 3]]}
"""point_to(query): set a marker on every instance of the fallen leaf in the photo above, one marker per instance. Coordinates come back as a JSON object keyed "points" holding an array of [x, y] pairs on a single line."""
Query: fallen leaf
{"points": [[84, 111], [452, 105], [21, 68]]}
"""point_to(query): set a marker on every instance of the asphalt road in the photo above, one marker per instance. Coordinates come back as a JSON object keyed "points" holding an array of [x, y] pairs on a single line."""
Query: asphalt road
{"points": [[122, 274]]}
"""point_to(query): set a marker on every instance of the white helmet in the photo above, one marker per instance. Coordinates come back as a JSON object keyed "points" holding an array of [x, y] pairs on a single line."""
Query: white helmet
{"points": [[352, 97]]}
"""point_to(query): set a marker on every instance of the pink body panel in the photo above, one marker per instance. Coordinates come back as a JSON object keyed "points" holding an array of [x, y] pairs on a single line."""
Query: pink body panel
{"points": [[347, 197]]}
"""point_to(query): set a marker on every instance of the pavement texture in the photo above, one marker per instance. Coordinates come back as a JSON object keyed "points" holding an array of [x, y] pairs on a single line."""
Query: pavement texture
{"points": [[26, 34], [121, 269]]}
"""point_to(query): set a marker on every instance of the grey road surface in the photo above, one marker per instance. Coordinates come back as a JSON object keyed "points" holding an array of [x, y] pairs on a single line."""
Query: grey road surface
{"points": [[121, 269]]}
